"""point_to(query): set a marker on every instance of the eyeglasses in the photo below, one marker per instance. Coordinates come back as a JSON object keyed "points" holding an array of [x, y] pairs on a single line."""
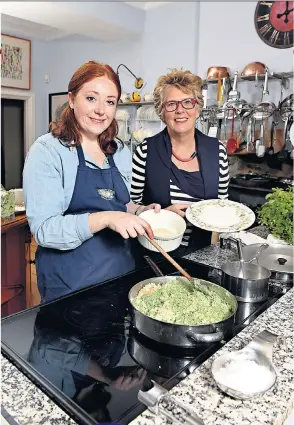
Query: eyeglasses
{"points": [[174, 104]]}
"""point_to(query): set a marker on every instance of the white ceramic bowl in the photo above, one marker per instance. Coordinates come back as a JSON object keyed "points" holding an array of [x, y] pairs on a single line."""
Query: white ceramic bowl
{"points": [[170, 222]]}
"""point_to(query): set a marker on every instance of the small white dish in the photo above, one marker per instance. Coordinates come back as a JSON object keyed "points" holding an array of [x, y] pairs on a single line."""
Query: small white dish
{"points": [[237, 359], [168, 228]]}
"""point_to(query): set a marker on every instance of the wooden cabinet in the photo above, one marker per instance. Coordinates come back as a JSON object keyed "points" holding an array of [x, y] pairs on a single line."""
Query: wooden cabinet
{"points": [[33, 296], [14, 235], [18, 276]]}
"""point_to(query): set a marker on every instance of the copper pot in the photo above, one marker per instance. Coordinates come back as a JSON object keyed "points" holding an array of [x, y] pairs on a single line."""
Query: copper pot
{"points": [[252, 68], [215, 72]]}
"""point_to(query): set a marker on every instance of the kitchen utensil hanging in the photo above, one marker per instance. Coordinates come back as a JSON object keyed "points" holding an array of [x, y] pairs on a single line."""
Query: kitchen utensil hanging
{"points": [[275, 121], [259, 144], [232, 142], [215, 72], [264, 109], [233, 105], [253, 68], [249, 144]]}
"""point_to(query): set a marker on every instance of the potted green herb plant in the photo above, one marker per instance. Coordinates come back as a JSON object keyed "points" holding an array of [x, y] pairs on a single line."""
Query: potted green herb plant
{"points": [[277, 214]]}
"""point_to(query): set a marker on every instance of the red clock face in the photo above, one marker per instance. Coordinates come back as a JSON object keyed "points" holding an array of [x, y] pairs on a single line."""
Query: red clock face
{"points": [[274, 23]]}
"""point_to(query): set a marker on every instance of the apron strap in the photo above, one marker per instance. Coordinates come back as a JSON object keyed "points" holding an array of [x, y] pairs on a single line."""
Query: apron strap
{"points": [[81, 155], [111, 160]]}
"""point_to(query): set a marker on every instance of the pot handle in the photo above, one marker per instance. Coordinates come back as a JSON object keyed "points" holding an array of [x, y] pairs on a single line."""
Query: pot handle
{"points": [[206, 338], [153, 266], [159, 401], [261, 248]]}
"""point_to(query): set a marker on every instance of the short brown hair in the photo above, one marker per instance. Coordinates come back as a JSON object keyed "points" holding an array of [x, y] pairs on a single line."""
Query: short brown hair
{"points": [[183, 80], [67, 128]]}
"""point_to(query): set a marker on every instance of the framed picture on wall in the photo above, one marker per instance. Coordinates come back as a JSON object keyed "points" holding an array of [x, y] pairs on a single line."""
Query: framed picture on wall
{"points": [[15, 62], [57, 103]]}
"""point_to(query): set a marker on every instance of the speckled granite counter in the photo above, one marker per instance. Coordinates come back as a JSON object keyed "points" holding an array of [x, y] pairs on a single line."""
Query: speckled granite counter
{"points": [[214, 256], [199, 392], [28, 405]]}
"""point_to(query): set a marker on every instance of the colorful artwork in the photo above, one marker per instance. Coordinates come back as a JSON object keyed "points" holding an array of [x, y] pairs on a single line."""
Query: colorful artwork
{"points": [[15, 62], [11, 66]]}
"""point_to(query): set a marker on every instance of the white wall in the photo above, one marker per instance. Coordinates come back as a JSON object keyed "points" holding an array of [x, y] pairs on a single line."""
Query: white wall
{"points": [[40, 60], [40, 57], [228, 37], [170, 39], [192, 35], [68, 54]]}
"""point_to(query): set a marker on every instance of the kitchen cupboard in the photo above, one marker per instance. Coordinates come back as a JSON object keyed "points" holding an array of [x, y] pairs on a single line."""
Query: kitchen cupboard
{"points": [[18, 277], [33, 297]]}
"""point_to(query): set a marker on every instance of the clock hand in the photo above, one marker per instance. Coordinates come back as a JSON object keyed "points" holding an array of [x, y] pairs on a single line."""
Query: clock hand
{"points": [[287, 7], [286, 20], [286, 13]]}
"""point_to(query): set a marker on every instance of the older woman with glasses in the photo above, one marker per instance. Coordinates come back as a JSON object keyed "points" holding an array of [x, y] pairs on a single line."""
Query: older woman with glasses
{"points": [[180, 165]]}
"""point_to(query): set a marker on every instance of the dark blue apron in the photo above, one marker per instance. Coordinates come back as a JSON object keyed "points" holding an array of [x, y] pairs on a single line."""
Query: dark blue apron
{"points": [[104, 256]]}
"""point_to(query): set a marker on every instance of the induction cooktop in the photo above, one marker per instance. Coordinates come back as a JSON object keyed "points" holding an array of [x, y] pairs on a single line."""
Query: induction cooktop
{"points": [[84, 353]]}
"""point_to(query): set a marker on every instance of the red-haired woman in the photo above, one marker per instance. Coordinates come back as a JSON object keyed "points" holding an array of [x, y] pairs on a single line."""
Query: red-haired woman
{"points": [[76, 181]]}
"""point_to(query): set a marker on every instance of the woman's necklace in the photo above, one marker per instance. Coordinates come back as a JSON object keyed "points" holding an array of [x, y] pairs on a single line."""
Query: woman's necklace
{"points": [[194, 154]]}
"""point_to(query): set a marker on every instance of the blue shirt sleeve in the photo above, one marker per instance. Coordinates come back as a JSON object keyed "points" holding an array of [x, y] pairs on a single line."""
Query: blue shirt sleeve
{"points": [[45, 201], [123, 161]]}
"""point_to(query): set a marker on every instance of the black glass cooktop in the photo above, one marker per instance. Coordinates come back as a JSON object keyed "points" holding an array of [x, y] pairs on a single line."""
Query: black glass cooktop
{"points": [[83, 352]]}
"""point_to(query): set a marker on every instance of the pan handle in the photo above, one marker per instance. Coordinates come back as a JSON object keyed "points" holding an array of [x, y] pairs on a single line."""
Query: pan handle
{"points": [[206, 338], [153, 266]]}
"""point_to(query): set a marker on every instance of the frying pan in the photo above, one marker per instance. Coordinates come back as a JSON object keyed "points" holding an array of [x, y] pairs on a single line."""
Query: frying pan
{"points": [[253, 180], [181, 335]]}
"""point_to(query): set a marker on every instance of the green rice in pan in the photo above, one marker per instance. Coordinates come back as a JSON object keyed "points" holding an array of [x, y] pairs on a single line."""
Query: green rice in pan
{"points": [[179, 302]]}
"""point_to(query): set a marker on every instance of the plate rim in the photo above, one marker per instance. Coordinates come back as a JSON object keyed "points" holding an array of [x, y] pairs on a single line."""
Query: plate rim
{"points": [[218, 229]]}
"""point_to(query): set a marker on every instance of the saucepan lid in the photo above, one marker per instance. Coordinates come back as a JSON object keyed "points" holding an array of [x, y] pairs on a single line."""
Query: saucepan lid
{"points": [[278, 258]]}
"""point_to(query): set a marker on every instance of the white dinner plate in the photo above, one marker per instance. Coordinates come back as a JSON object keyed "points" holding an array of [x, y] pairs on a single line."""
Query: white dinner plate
{"points": [[218, 215]]}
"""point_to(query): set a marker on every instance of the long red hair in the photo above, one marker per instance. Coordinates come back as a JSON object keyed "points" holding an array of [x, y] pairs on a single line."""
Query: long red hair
{"points": [[67, 129]]}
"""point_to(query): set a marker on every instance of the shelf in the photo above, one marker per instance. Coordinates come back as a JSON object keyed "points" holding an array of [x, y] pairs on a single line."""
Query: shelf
{"points": [[271, 76], [146, 120], [134, 103]]}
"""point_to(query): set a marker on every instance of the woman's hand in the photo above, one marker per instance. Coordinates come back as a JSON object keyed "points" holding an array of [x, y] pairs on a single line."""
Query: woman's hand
{"points": [[138, 209], [126, 224], [142, 208], [178, 209]]}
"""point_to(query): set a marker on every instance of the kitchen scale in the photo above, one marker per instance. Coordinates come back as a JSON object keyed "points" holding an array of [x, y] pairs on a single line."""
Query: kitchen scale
{"points": [[83, 352]]}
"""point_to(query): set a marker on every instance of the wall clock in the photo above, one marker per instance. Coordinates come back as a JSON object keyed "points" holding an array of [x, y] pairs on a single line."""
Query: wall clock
{"points": [[274, 23]]}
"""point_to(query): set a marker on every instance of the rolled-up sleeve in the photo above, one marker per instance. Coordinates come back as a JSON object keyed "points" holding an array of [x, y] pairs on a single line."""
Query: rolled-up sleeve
{"points": [[45, 202]]}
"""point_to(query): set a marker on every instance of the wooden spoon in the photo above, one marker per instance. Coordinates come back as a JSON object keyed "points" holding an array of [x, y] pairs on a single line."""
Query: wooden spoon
{"points": [[197, 285]]}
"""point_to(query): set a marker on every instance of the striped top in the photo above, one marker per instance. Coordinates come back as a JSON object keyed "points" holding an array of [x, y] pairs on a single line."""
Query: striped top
{"points": [[176, 194]]}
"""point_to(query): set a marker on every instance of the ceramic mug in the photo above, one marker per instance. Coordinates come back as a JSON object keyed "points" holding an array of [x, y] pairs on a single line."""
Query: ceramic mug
{"points": [[148, 97], [125, 97]]}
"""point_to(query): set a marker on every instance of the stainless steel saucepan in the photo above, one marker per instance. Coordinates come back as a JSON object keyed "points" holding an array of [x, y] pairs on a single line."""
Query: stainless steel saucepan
{"points": [[248, 282], [277, 258]]}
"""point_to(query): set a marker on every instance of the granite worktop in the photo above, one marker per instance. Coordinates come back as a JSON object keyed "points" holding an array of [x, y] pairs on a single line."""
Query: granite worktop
{"points": [[25, 404], [199, 392], [215, 256]]}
